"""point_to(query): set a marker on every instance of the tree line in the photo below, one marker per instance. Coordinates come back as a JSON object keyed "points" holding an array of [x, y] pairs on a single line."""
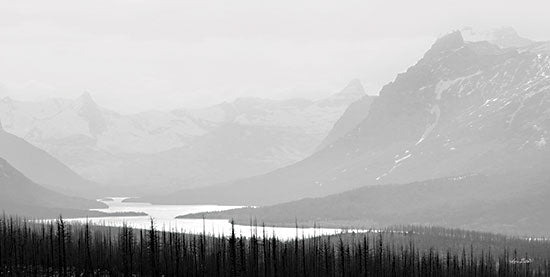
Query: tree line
{"points": [[55, 248]]}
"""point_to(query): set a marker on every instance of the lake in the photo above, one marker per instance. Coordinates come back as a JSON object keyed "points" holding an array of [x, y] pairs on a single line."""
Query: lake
{"points": [[164, 217]]}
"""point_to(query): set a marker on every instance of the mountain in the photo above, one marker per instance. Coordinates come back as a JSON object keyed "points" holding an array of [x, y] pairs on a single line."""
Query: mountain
{"points": [[91, 139], [353, 91], [42, 168], [464, 108], [180, 148], [82, 122], [497, 204], [23, 197], [353, 115], [253, 136]]}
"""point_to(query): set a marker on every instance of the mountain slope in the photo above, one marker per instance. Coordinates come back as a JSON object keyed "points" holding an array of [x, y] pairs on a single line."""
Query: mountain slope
{"points": [[23, 197], [353, 115], [498, 204], [464, 108], [42, 168]]}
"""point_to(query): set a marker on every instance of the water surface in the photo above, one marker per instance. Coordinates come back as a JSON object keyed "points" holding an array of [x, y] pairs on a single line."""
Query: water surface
{"points": [[164, 217]]}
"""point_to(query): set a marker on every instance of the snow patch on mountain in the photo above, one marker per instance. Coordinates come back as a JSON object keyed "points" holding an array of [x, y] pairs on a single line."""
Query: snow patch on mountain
{"points": [[403, 158], [436, 111], [541, 142]]}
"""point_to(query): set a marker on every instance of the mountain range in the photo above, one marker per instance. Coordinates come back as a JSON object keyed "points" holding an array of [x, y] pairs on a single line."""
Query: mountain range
{"points": [[460, 139], [181, 148], [466, 107]]}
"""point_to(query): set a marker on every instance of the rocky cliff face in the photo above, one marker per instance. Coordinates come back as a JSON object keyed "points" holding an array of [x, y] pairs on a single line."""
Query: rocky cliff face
{"points": [[463, 108]]}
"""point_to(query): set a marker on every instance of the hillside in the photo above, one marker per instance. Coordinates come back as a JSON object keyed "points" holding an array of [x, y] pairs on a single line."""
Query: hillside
{"points": [[42, 168], [497, 204], [354, 114], [23, 197]]}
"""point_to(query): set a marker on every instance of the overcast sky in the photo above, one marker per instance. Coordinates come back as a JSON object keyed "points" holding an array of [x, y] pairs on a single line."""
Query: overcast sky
{"points": [[134, 55]]}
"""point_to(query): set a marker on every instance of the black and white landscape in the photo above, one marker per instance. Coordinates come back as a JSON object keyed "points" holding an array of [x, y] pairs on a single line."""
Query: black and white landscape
{"points": [[142, 138]]}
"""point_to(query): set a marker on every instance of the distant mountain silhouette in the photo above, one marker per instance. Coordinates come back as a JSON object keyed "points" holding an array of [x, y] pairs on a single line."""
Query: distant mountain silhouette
{"points": [[249, 136], [354, 114], [156, 150]]}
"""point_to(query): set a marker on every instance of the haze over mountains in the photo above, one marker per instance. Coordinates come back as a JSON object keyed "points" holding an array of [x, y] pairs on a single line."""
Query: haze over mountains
{"points": [[181, 148], [465, 108], [460, 139], [274, 138]]}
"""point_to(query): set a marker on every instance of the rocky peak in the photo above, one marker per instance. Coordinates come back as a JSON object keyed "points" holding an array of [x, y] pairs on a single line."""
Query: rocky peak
{"points": [[354, 87], [89, 110], [86, 99], [352, 92], [449, 42]]}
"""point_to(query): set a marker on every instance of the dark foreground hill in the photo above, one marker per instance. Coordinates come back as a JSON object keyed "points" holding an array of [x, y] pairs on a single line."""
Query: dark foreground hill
{"points": [[504, 204]]}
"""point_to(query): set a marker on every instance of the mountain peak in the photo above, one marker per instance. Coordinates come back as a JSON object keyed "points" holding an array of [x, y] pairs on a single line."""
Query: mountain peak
{"points": [[86, 98], [504, 37], [354, 87], [352, 92], [86, 102], [88, 109], [449, 42]]}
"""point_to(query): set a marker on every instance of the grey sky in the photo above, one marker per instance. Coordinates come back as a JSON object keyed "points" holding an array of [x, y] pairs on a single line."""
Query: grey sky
{"points": [[135, 55]]}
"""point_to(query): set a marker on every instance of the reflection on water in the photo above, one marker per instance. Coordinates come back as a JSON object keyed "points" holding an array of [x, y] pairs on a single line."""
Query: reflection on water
{"points": [[164, 219]]}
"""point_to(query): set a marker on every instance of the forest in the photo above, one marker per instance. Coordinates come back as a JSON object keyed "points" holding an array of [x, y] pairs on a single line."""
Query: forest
{"points": [[56, 248]]}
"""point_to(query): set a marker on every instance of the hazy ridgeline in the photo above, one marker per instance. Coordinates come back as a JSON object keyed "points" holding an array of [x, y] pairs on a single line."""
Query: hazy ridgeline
{"points": [[60, 249]]}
